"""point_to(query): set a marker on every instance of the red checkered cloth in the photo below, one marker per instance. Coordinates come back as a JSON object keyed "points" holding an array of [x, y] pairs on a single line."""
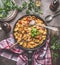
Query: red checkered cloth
{"points": [[40, 57]]}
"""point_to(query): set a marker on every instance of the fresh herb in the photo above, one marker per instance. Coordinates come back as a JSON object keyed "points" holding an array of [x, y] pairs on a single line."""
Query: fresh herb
{"points": [[21, 8], [55, 47], [31, 5], [34, 32], [55, 44], [9, 5], [3, 13], [27, 12], [24, 5], [33, 8], [55, 55]]}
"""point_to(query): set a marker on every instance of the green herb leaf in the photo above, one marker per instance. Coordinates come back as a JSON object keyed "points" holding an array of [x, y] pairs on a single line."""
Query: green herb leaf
{"points": [[20, 9], [55, 44], [24, 5], [9, 5], [3, 13], [34, 32], [27, 12]]}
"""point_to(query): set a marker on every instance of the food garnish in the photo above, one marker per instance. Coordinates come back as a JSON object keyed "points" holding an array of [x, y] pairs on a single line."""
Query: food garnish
{"points": [[34, 32]]}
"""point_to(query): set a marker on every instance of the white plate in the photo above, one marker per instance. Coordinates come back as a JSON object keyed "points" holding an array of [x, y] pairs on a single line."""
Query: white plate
{"points": [[11, 15]]}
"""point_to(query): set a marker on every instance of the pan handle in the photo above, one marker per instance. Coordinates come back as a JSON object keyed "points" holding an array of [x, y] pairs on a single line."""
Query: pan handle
{"points": [[30, 54]]}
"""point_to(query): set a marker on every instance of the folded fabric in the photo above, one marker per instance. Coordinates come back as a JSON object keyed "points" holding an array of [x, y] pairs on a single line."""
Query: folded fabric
{"points": [[40, 57]]}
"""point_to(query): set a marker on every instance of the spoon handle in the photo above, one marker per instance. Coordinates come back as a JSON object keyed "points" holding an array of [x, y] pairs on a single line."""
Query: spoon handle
{"points": [[13, 45], [49, 27], [57, 13], [52, 28]]}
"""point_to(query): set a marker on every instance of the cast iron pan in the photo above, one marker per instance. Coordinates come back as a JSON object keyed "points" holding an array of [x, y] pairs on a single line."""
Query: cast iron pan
{"points": [[31, 51]]}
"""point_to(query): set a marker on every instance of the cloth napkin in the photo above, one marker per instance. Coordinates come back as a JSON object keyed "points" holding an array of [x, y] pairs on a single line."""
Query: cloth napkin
{"points": [[41, 56]]}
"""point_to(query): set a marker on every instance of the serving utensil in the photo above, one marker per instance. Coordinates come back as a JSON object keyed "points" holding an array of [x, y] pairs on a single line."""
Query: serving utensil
{"points": [[50, 27], [32, 22], [13, 45], [51, 17]]}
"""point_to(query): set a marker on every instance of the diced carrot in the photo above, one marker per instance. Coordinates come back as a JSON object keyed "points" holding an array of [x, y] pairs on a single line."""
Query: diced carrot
{"points": [[20, 22]]}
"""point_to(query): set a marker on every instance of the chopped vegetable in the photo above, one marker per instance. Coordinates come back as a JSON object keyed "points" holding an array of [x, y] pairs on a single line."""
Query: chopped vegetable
{"points": [[3, 13], [34, 32], [8, 5]]}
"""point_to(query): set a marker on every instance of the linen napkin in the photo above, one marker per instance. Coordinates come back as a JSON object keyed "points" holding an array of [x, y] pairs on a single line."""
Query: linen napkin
{"points": [[40, 57]]}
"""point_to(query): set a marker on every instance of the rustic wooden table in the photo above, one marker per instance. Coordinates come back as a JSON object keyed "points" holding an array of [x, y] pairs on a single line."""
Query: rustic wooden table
{"points": [[46, 11]]}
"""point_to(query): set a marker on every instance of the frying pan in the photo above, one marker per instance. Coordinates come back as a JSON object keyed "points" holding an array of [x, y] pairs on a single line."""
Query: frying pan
{"points": [[31, 51]]}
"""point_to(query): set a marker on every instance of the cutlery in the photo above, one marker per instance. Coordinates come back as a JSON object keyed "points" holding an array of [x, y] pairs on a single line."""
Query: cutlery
{"points": [[49, 27], [49, 18], [13, 45]]}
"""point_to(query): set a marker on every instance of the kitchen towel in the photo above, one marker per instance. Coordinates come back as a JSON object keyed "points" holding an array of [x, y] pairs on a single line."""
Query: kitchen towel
{"points": [[41, 57]]}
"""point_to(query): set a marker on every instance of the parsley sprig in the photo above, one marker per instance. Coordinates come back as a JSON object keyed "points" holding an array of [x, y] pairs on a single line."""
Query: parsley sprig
{"points": [[9, 5], [34, 32], [55, 44]]}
